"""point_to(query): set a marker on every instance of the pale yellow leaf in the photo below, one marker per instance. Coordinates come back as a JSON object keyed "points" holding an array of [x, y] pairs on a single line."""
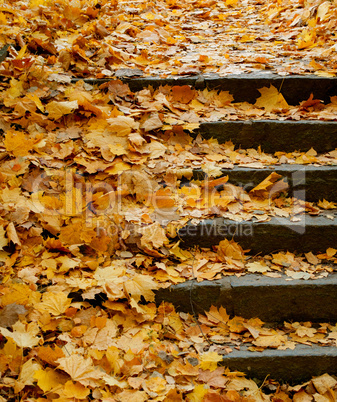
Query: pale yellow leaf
{"points": [[141, 285], [55, 303], [58, 109], [210, 360], [80, 369], [25, 336]]}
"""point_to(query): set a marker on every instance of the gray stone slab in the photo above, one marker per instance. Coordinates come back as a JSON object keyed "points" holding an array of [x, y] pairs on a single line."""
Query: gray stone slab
{"points": [[252, 295], [243, 87], [292, 366], [310, 233], [306, 182], [274, 135]]}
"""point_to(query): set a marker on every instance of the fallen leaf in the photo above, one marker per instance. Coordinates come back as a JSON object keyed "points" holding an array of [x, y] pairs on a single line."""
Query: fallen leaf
{"points": [[271, 99], [209, 361]]}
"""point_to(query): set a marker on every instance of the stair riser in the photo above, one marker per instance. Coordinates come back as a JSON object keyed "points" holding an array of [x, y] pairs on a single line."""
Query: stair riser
{"points": [[243, 87], [270, 299], [292, 366], [314, 234], [309, 183], [273, 136]]}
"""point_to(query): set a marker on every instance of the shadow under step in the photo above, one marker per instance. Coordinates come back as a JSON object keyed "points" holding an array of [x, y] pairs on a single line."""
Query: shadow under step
{"points": [[292, 366], [307, 233], [306, 182], [252, 295]]}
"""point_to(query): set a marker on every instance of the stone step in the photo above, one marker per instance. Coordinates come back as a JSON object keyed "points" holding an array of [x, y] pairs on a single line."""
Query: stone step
{"points": [[271, 135], [306, 182], [307, 233], [253, 295], [292, 366], [243, 87], [274, 135]]}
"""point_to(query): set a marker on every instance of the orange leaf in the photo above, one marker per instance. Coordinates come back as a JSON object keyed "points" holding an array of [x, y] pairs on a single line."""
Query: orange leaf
{"points": [[231, 249], [183, 94], [17, 143]]}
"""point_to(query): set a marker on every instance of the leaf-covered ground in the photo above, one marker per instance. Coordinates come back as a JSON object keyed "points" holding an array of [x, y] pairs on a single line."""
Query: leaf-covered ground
{"points": [[172, 37], [93, 190]]}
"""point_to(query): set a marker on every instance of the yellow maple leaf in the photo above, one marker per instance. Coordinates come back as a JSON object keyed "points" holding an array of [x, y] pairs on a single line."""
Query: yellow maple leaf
{"points": [[230, 249], [26, 376], [155, 384], [118, 168], [306, 39], [183, 255], [326, 204], [17, 143], [249, 388], [36, 100], [25, 336], [217, 315], [152, 123], [237, 324], [153, 236], [198, 393], [266, 187], [80, 369], [113, 357], [75, 390], [330, 252], [49, 379], [155, 149], [55, 303], [271, 99], [19, 293], [211, 169], [141, 285], [210, 360], [223, 98], [58, 109], [257, 266], [271, 340], [13, 92], [122, 125]]}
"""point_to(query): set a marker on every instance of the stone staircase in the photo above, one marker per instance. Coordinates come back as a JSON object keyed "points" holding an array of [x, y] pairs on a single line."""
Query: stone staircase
{"points": [[271, 299]]}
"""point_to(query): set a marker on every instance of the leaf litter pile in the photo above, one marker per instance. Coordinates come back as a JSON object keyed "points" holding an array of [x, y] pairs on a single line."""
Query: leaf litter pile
{"points": [[172, 37], [96, 181]]}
